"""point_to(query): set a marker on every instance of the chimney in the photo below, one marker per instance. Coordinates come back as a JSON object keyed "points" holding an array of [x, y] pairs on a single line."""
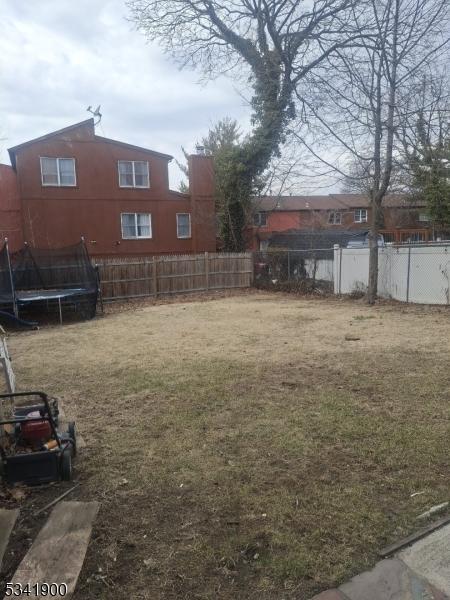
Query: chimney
{"points": [[11, 215], [202, 192], [201, 175]]}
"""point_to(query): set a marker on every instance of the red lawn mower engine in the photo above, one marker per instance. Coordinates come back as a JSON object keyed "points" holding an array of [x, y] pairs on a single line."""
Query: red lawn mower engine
{"points": [[35, 433], [33, 449]]}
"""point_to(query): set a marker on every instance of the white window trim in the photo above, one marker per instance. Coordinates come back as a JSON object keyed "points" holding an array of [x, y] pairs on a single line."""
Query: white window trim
{"points": [[137, 237], [360, 220], [134, 186], [185, 237], [59, 184], [258, 215]]}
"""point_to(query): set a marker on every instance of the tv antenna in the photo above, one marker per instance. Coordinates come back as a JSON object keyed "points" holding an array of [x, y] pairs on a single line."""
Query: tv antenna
{"points": [[97, 114]]}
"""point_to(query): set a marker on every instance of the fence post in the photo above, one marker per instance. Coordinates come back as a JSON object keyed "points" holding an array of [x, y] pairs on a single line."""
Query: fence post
{"points": [[289, 265], [206, 270], [251, 264], [155, 277], [408, 274], [13, 291], [99, 284], [340, 270]]}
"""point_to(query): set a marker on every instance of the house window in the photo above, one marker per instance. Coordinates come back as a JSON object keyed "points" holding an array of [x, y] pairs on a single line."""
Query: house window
{"points": [[260, 219], [183, 225], [334, 218], [58, 171], [133, 173], [389, 236], [136, 226], [412, 237], [361, 215], [424, 218]]}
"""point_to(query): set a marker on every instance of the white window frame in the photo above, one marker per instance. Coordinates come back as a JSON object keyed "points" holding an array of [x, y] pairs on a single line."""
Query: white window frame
{"points": [[258, 218], [133, 162], [360, 219], [332, 220], [136, 237], [185, 237], [58, 173], [424, 218]]}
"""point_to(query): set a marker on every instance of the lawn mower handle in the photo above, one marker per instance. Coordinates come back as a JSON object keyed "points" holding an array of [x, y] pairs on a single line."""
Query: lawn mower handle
{"points": [[43, 395]]}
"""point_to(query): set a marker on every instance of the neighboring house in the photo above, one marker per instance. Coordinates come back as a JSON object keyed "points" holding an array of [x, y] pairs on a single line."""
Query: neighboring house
{"points": [[402, 220], [73, 183]]}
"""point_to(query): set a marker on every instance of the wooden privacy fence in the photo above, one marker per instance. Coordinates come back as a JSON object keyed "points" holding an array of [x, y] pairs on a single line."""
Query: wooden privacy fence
{"points": [[122, 278]]}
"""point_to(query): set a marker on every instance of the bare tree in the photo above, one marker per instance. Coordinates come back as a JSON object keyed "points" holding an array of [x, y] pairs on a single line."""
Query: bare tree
{"points": [[357, 103], [271, 45]]}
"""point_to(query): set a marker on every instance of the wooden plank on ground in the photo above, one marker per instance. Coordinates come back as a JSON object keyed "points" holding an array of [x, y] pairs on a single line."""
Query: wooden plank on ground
{"points": [[418, 535], [58, 552], [7, 520]]}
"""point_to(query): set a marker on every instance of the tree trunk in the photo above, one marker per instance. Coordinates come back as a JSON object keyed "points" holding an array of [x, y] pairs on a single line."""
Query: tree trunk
{"points": [[372, 287]]}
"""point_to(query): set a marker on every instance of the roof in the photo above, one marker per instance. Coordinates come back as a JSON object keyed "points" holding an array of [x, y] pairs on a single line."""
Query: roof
{"points": [[296, 239], [329, 202], [133, 147], [42, 138], [88, 122], [321, 242], [270, 203]]}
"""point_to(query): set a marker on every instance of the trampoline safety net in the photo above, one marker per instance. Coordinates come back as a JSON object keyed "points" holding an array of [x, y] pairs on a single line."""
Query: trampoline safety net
{"points": [[45, 273], [6, 291]]}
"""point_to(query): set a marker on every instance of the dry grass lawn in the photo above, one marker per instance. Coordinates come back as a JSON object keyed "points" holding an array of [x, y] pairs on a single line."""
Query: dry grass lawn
{"points": [[242, 448]]}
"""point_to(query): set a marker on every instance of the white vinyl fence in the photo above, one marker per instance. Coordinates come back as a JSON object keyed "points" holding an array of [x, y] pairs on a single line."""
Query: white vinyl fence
{"points": [[418, 274], [321, 268]]}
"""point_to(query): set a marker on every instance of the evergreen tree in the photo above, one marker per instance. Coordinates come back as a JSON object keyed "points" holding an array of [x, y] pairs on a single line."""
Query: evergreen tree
{"points": [[225, 143], [430, 168]]}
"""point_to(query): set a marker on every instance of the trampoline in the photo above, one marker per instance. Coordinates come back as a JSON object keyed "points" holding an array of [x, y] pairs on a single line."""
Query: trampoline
{"points": [[41, 278]]}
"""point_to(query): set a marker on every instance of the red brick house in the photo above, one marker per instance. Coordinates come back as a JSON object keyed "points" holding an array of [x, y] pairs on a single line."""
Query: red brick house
{"points": [[402, 221], [10, 208], [73, 183]]}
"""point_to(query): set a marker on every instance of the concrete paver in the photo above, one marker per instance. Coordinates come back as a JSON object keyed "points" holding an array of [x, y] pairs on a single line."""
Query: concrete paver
{"points": [[430, 558], [7, 520], [419, 572], [390, 579]]}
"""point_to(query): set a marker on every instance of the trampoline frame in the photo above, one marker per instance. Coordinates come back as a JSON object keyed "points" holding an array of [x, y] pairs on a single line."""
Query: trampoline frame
{"points": [[26, 297]]}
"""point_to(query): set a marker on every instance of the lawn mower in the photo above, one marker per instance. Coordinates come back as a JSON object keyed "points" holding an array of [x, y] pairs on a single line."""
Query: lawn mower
{"points": [[32, 449]]}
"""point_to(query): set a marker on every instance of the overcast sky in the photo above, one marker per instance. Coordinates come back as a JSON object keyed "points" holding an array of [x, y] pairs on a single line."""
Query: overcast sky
{"points": [[57, 57]]}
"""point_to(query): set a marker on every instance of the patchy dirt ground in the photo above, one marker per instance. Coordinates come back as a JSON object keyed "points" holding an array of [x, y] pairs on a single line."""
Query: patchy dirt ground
{"points": [[244, 448]]}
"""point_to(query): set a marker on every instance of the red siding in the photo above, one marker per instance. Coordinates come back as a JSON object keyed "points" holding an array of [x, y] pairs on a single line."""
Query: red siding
{"points": [[58, 216], [10, 209], [201, 189]]}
